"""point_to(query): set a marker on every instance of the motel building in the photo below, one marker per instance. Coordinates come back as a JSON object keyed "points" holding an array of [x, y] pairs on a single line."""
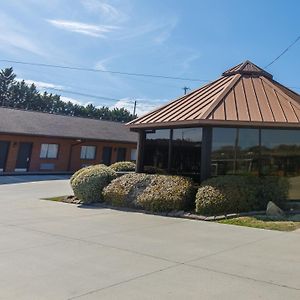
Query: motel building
{"points": [[245, 122], [37, 142]]}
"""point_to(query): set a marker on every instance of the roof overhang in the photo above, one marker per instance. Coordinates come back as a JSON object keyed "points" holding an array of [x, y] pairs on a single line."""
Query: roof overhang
{"points": [[213, 123]]}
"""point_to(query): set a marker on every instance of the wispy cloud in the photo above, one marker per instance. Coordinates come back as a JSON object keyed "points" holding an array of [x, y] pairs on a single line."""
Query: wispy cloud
{"points": [[105, 9], [13, 36], [83, 28], [143, 105], [72, 100], [189, 60], [158, 31], [165, 30], [41, 84]]}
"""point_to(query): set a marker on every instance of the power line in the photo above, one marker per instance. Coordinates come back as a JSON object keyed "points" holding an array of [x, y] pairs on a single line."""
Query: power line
{"points": [[102, 71], [283, 52], [80, 94], [122, 73]]}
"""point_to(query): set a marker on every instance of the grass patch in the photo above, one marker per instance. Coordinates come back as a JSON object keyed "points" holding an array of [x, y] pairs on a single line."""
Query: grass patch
{"points": [[58, 198], [288, 223], [66, 199]]}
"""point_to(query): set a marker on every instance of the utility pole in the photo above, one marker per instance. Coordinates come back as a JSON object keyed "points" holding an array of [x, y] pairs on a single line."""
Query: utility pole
{"points": [[185, 89], [134, 107]]}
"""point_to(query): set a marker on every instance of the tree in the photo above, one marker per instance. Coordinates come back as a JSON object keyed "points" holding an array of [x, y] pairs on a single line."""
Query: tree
{"points": [[7, 79], [18, 94]]}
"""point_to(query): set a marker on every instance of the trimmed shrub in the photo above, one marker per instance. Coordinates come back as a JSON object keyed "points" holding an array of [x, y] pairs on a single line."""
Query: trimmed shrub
{"points": [[78, 172], [272, 188], [153, 170], [225, 194], [167, 193], [123, 166], [157, 193], [123, 191], [89, 183], [231, 194]]}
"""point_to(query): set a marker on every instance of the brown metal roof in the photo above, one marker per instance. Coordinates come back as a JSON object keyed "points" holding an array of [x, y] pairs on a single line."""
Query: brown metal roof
{"points": [[16, 121], [244, 95]]}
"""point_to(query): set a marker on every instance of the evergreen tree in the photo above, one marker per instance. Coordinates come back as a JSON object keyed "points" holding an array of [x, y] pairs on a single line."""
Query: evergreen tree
{"points": [[7, 79], [18, 94]]}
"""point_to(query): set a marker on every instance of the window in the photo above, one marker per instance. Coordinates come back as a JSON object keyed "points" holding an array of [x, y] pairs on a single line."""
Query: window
{"points": [[235, 151], [88, 152], [186, 151], [280, 156], [133, 154], [156, 151], [49, 151], [121, 154]]}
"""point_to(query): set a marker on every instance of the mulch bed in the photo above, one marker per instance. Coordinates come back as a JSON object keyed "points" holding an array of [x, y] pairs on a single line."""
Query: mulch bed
{"points": [[175, 214]]}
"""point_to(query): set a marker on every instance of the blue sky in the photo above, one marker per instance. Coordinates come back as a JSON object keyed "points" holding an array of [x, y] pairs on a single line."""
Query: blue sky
{"points": [[194, 39]]}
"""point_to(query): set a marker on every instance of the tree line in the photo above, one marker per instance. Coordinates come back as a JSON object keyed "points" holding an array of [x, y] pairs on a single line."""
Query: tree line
{"points": [[19, 94]]}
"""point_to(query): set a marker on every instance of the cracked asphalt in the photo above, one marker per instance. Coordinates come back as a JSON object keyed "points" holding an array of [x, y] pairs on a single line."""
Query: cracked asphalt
{"points": [[51, 250]]}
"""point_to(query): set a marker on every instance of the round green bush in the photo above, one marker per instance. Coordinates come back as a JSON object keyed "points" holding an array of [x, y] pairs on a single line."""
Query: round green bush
{"points": [[225, 194], [231, 194], [167, 193], [78, 172], [89, 183], [123, 166], [272, 188], [123, 191], [153, 170]]}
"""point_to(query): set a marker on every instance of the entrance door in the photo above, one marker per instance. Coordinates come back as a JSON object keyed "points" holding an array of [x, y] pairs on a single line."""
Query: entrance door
{"points": [[121, 154], [23, 158], [106, 155], [4, 146]]}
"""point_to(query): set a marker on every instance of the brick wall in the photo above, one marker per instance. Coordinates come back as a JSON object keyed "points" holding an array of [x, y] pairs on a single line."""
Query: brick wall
{"points": [[66, 147]]}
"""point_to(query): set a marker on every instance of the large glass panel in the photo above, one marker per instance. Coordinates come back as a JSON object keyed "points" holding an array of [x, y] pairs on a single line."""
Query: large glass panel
{"points": [[186, 151], [247, 151], [280, 151], [157, 148], [235, 151], [223, 151]]}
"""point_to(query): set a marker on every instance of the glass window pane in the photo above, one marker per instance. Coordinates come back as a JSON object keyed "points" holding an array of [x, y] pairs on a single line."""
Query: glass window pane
{"points": [[44, 150], [83, 152], [235, 151], [247, 151], [157, 148], [281, 156], [52, 150], [133, 154], [186, 151], [223, 151], [90, 152]]}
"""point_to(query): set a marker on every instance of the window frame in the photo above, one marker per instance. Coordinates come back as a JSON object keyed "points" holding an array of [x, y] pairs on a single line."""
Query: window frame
{"points": [[87, 146], [47, 151]]}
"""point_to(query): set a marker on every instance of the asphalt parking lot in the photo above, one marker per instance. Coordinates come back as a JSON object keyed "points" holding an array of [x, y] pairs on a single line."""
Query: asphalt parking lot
{"points": [[51, 250]]}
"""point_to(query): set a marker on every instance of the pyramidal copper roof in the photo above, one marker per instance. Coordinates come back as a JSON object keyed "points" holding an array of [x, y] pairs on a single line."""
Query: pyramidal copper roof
{"points": [[243, 95]]}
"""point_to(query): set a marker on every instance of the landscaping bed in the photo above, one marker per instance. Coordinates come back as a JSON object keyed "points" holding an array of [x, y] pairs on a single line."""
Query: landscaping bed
{"points": [[238, 200], [288, 223]]}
